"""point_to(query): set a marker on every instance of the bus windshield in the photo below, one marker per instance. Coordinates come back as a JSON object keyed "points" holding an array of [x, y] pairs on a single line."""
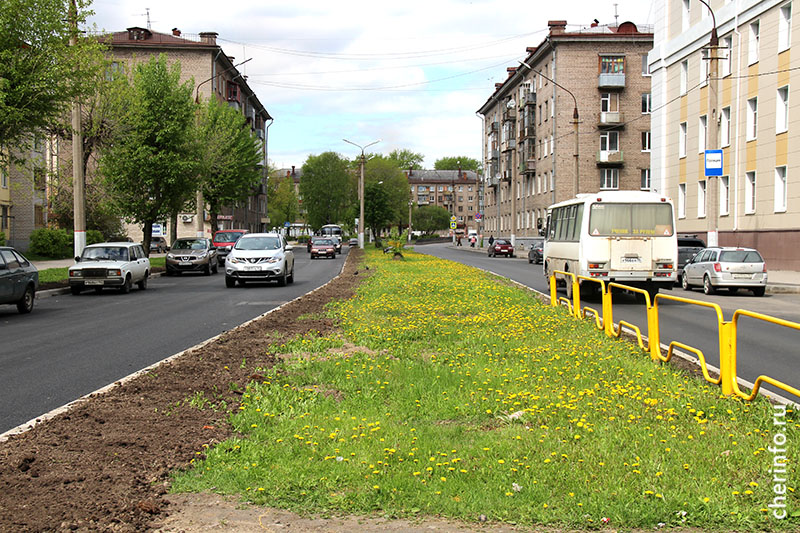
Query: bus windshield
{"points": [[630, 220]]}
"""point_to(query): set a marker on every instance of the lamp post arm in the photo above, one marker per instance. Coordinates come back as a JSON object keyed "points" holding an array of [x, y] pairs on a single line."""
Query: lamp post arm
{"points": [[197, 89]]}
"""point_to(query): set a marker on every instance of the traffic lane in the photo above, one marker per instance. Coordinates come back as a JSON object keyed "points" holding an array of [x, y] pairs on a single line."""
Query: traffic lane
{"points": [[762, 348], [72, 345]]}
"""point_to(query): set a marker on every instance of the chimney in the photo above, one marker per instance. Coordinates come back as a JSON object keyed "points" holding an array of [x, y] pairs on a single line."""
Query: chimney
{"points": [[292, 170], [498, 85], [511, 70], [595, 23], [410, 170], [209, 37], [557, 26], [530, 49], [176, 32]]}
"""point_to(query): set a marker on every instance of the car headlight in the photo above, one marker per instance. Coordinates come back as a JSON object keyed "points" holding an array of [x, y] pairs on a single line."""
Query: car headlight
{"points": [[114, 272], [274, 259], [233, 259], [170, 256], [202, 256], [75, 273]]}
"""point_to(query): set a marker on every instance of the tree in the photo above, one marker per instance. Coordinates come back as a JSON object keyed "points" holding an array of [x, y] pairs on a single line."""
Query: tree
{"points": [[282, 204], [394, 182], [230, 162], [40, 74], [377, 211], [430, 218], [151, 161], [326, 188], [454, 163], [405, 159]]}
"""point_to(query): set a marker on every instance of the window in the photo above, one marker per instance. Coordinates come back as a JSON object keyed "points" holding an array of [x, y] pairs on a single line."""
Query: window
{"points": [[684, 76], [609, 102], [645, 66], [552, 106], [724, 195], [233, 92], [780, 189], [752, 119], [753, 42], [782, 110], [3, 177], [612, 65], [682, 200], [609, 141], [704, 60], [3, 218], [645, 184], [727, 54], [702, 131], [609, 178], [647, 103], [552, 144], [750, 193], [701, 199], [645, 141], [785, 28], [725, 127], [682, 140], [685, 16]]}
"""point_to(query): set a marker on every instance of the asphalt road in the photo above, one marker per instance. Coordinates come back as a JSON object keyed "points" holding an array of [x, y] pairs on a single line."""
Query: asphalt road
{"points": [[70, 346], [763, 348]]}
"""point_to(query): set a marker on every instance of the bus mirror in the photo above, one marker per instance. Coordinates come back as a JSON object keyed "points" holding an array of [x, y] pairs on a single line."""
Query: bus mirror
{"points": [[539, 223], [542, 232]]}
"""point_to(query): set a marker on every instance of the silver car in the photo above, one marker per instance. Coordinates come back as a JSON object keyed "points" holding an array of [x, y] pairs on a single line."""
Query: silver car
{"points": [[260, 257], [726, 267], [110, 264]]}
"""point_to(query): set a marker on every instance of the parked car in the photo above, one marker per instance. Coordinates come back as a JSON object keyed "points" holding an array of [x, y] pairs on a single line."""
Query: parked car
{"points": [[337, 243], [502, 247], [688, 246], [158, 245], [536, 252], [192, 254], [323, 248], [19, 280], [224, 240], [726, 267], [260, 257], [110, 264], [353, 243]]}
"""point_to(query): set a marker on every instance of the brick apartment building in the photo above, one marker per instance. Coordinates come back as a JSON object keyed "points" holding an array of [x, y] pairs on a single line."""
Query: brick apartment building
{"points": [[23, 198], [528, 131], [455, 190]]}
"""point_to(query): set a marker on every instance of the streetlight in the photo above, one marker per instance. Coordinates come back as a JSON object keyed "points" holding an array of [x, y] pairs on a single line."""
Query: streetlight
{"points": [[410, 203], [361, 190], [712, 236]]}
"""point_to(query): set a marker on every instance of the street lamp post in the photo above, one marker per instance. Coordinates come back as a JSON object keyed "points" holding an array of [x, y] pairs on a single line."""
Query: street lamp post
{"points": [[410, 203], [361, 190], [712, 236]]}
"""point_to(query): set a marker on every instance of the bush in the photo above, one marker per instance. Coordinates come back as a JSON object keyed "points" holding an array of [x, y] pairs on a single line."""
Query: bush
{"points": [[54, 243], [94, 236]]}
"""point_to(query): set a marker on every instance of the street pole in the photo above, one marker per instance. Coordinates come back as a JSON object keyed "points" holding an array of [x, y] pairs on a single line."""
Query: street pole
{"points": [[361, 190], [78, 185], [712, 182], [410, 203]]}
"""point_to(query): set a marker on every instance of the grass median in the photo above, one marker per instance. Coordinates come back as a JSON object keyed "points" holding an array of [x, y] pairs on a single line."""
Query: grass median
{"points": [[447, 391]]}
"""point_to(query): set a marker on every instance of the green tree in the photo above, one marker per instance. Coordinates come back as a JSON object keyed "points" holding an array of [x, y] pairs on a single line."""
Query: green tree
{"points": [[405, 159], [230, 162], [430, 218], [151, 161], [40, 74], [283, 205], [452, 163], [394, 182], [377, 211], [326, 187]]}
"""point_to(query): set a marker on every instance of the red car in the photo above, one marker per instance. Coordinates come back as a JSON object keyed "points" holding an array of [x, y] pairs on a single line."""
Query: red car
{"points": [[501, 247], [322, 248], [224, 240]]}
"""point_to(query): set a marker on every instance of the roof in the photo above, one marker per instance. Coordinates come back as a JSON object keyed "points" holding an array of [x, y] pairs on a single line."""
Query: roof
{"points": [[444, 176]]}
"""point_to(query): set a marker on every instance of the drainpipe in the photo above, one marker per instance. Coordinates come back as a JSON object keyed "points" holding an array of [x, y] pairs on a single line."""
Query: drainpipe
{"points": [[736, 137]]}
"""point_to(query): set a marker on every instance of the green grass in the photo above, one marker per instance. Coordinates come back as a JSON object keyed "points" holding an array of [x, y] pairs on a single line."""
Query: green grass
{"points": [[448, 393], [49, 275]]}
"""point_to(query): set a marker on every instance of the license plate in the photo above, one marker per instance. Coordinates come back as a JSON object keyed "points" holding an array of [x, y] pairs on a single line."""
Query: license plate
{"points": [[630, 260], [742, 276], [254, 267], [93, 282], [185, 263]]}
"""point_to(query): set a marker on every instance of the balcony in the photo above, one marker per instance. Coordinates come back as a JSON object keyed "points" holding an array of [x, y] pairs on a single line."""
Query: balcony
{"points": [[509, 145], [495, 126], [611, 118], [529, 166], [530, 99], [495, 153], [528, 131], [509, 114], [607, 158], [493, 181], [614, 80], [507, 175]]}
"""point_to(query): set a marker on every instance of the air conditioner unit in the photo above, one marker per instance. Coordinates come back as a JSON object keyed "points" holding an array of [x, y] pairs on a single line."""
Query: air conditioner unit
{"points": [[187, 218]]}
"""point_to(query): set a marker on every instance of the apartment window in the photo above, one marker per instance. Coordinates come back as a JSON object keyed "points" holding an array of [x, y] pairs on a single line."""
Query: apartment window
{"points": [[780, 189], [645, 141], [552, 107], [609, 141], [645, 183], [750, 193], [3, 218], [725, 127], [785, 28], [546, 105], [682, 200], [647, 103], [612, 64], [609, 178], [552, 144], [701, 199], [782, 110], [682, 140], [609, 102], [727, 55], [752, 119], [645, 66], [233, 92], [753, 42], [684, 76], [685, 16], [702, 131], [704, 67], [724, 195], [552, 181], [3, 177]]}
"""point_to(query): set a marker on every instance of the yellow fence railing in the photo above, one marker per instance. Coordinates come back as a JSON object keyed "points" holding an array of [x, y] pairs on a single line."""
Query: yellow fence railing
{"points": [[726, 330]]}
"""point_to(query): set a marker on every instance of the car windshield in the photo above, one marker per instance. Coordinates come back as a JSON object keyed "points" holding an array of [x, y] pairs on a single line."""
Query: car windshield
{"points": [[740, 256], [189, 244], [324, 241], [105, 253], [228, 236], [258, 243]]}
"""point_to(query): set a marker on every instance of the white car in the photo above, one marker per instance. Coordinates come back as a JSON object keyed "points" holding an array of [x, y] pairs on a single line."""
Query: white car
{"points": [[110, 264], [260, 257]]}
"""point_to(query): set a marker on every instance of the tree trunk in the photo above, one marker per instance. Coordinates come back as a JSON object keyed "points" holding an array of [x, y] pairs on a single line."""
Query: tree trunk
{"points": [[213, 220], [173, 227], [147, 231]]}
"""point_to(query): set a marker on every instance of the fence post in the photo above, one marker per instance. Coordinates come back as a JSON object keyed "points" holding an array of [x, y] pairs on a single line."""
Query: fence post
{"points": [[576, 296], [608, 310], [653, 332], [553, 298], [727, 364]]}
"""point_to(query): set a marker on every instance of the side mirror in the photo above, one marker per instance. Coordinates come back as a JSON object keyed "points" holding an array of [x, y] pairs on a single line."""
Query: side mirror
{"points": [[289, 248], [539, 225]]}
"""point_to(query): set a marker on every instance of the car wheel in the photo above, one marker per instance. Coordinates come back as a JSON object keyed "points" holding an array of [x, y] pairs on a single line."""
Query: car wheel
{"points": [[708, 288], [240, 282], [685, 282], [75, 290], [25, 305], [126, 286], [143, 283], [530, 261], [291, 275], [216, 267], [282, 279], [230, 282], [758, 291]]}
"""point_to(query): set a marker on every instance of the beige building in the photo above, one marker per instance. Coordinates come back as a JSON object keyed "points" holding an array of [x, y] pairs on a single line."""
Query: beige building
{"points": [[454, 190], [746, 110], [23, 204], [529, 147]]}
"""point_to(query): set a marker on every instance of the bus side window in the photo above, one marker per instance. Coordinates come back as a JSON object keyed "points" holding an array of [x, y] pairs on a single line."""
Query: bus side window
{"points": [[551, 225], [576, 228]]}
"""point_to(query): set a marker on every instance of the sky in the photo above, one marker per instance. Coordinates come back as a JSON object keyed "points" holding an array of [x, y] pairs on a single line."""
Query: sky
{"points": [[411, 74]]}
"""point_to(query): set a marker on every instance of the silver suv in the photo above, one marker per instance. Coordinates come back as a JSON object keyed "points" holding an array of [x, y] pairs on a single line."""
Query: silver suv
{"points": [[726, 267], [260, 257]]}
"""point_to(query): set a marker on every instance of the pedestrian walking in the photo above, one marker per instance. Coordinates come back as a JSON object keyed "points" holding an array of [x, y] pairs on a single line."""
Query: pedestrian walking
{"points": [[458, 240], [472, 241], [491, 240]]}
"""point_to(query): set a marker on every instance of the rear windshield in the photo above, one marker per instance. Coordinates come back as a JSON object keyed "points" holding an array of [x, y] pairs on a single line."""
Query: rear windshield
{"points": [[501, 241], [740, 256], [228, 236], [634, 220], [258, 243], [691, 243]]}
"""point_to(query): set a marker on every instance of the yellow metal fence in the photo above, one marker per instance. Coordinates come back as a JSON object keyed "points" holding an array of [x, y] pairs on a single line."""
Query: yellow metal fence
{"points": [[726, 330]]}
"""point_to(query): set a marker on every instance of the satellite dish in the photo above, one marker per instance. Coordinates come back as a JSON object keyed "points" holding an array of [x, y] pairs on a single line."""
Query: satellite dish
{"points": [[511, 104]]}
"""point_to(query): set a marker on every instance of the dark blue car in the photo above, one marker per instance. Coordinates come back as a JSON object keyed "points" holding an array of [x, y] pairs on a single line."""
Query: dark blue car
{"points": [[19, 280]]}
